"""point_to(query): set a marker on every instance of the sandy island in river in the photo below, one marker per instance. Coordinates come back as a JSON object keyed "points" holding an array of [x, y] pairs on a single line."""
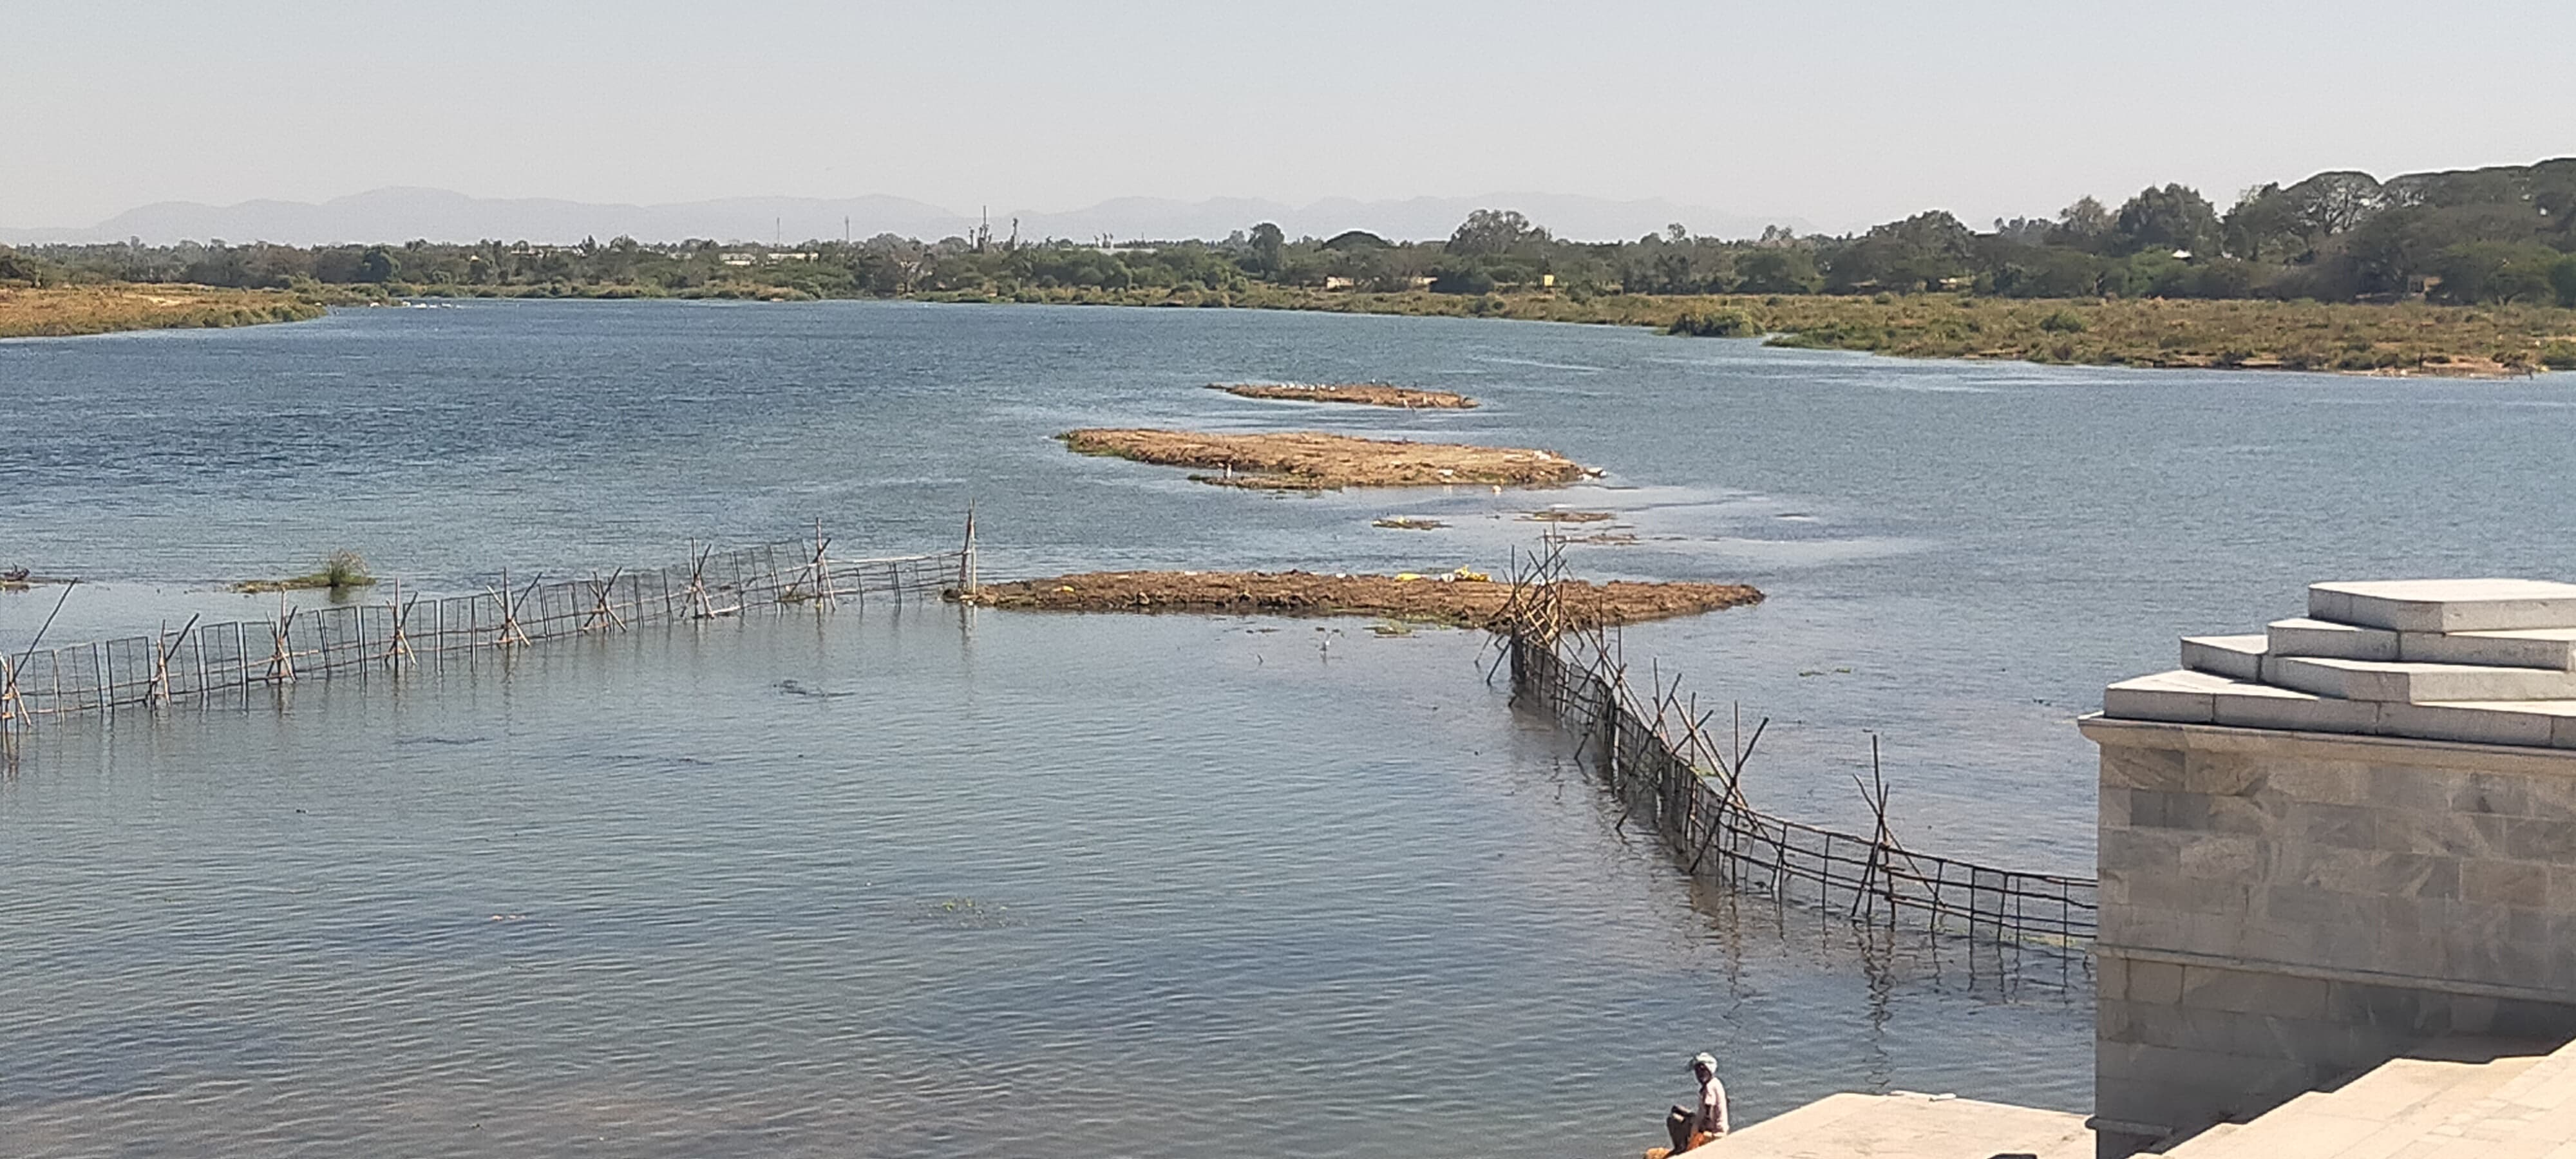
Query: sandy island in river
{"points": [[1315, 461], [1362, 393], [1462, 599]]}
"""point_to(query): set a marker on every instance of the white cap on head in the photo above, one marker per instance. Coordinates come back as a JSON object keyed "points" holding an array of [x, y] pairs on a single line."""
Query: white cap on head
{"points": [[1705, 1059]]}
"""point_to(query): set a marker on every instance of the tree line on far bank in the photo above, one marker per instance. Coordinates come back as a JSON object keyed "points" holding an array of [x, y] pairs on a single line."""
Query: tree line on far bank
{"points": [[2496, 235]]}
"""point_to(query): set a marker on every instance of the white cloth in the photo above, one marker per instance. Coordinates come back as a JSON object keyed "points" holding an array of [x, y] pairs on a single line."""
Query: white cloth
{"points": [[1712, 1106]]}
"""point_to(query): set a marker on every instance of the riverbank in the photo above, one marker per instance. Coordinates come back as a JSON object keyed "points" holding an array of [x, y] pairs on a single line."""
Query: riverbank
{"points": [[2407, 339], [70, 311], [1315, 461], [1460, 599]]}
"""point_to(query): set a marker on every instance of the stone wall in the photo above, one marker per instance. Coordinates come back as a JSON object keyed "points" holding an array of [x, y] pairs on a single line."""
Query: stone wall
{"points": [[2281, 910]]}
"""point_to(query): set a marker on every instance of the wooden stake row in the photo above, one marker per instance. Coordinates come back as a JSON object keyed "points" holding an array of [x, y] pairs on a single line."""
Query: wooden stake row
{"points": [[1655, 752], [304, 642]]}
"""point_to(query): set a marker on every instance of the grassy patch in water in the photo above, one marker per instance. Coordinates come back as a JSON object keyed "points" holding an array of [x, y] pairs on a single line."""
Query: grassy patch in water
{"points": [[340, 571]]}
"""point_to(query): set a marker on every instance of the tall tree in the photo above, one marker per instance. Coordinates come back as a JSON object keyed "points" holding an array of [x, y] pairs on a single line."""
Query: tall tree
{"points": [[1494, 231], [2175, 217], [2084, 225], [1267, 241]]}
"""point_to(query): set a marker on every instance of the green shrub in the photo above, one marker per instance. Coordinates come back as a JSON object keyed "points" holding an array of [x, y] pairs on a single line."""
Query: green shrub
{"points": [[2062, 322], [2559, 355], [1725, 322], [344, 569]]}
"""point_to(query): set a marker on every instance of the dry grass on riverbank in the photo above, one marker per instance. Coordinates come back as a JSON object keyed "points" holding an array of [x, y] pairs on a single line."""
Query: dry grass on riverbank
{"points": [[1359, 393], [1461, 599], [1315, 461], [65, 311], [2408, 338]]}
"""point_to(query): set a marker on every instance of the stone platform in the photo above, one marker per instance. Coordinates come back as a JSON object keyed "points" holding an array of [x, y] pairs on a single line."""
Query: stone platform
{"points": [[2330, 844], [1906, 1126], [2486, 661], [2461, 1100]]}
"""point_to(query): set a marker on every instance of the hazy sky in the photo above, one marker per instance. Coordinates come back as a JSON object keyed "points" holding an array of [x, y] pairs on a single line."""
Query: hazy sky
{"points": [[1843, 113]]}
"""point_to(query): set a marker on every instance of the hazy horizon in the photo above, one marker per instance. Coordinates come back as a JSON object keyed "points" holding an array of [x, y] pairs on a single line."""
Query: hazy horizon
{"points": [[1834, 115]]}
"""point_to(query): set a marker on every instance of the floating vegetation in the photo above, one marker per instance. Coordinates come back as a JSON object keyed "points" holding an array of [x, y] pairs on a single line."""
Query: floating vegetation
{"points": [[1560, 515], [1408, 523]]}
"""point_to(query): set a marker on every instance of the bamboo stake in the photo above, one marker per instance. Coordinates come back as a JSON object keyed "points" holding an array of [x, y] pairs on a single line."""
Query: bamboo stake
{"points": [[158, 693], [397, 642], [602, 611], [281, 661]]}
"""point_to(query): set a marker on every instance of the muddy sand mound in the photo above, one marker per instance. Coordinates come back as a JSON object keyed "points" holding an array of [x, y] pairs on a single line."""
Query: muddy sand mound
{"points": [[1360, 393], [1466, 599], [1315, 461]]}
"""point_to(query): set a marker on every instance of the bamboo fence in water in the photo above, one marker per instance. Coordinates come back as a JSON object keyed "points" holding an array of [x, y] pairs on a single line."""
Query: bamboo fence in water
{"points": [[200, 660], [1659, 757]]}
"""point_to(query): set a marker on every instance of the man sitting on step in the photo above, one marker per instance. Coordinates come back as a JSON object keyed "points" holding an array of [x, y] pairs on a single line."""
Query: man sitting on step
{"points": [[1693, 1126]]}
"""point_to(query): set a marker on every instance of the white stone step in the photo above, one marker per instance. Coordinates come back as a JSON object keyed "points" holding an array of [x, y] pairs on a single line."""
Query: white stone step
{"points": [[2186, 697], [1912, 1126], [2203, 1144], [2457, 605], [2183, 697], [2526, 1114], [2305, 637], [2553, 648], [2291, 1121], [2265, 706], [2234, 657], [2533, 723], [2376, 1116], [2415, 683]]}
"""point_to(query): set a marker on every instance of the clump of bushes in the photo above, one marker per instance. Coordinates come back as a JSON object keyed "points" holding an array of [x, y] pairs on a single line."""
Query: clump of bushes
{"points": [[2062, 322], [340, 571], [1723, 322], [2559, 355]]}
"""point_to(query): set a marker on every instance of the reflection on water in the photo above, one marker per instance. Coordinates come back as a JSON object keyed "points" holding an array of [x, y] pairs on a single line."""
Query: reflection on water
{"points": [[898, 885]]}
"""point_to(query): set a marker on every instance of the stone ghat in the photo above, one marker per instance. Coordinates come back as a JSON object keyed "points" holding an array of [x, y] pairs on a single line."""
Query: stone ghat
{"points": [[2486, 661]]}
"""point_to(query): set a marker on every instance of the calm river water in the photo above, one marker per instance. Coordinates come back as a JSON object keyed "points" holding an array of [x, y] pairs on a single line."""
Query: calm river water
{"points": [[883, 884]]}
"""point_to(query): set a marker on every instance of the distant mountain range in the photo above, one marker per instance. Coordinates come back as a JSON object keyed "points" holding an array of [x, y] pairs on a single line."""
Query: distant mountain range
{"points": [[401, 214]]}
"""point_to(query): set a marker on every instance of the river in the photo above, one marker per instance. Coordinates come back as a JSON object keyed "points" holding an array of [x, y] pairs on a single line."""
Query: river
{"points": [[917, 883]]}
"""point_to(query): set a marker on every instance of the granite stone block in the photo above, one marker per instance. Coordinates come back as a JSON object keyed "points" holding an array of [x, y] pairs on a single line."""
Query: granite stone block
{"points": [[2250, 992], [2151, 981], [2222, 774], [2336, 826], [2222, 857], [2127, 767], [2513, 883]]}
